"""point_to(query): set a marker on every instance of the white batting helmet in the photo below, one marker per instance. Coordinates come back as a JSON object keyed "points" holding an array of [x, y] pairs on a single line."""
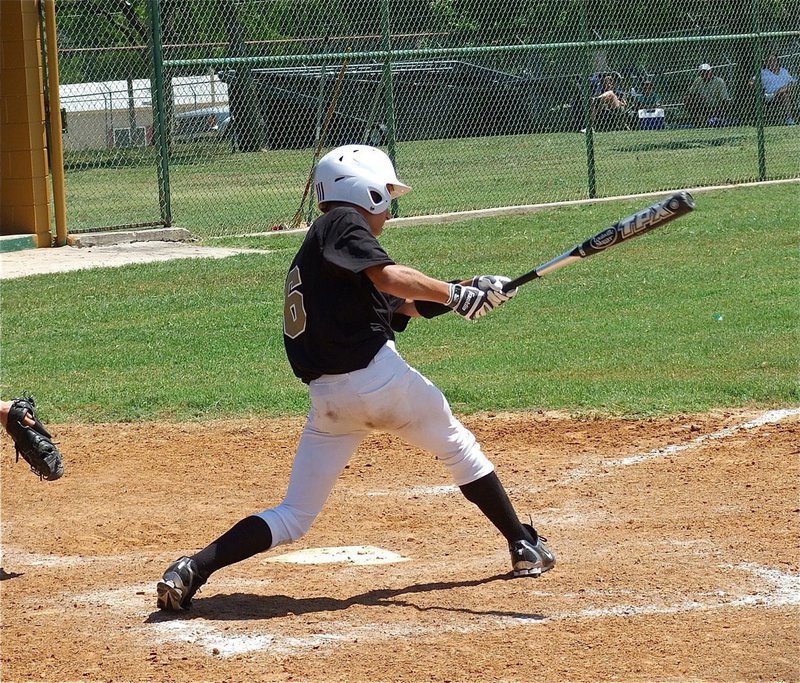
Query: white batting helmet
{"points": [[360, 175]]}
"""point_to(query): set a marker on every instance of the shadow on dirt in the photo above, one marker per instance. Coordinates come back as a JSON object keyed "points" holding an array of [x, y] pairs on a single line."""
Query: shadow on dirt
{"points": [[4, 575], [245, 606]]}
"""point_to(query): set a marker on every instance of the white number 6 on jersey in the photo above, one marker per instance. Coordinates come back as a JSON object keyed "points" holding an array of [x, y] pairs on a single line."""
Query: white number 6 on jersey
{"points": [[294, 312]]}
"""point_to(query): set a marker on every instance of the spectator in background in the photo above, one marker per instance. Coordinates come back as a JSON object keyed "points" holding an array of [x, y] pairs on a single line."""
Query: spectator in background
{"points": [[708, 101], [648, 98], [609, 108], [599, 70], [780, 89]]}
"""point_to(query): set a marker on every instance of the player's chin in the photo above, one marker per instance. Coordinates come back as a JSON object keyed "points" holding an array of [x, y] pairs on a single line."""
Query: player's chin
{"points": [[376, 225], [376, 222]]}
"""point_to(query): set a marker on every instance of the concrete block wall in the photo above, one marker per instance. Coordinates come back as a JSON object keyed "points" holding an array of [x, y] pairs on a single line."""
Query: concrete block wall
{"points": [[24, 170]]}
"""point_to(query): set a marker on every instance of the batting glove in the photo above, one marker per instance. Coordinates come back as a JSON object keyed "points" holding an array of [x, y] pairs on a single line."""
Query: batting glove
{"points": [[468, 301], [493, 286]]}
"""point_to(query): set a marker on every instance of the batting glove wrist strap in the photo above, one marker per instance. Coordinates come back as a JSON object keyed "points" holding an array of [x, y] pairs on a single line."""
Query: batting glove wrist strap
{"points": [[430, 309]]}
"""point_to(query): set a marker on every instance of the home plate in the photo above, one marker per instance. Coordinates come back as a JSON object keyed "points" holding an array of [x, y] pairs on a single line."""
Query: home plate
{"points": [[352, 554]]}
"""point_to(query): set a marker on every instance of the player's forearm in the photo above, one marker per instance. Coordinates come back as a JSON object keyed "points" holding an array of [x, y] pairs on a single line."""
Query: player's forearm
{"points": [[409, 308], [5, 406], [407, 283]]}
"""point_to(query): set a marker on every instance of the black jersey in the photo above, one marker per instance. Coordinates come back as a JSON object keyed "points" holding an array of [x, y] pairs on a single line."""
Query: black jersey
{"points": [[334, 320]]}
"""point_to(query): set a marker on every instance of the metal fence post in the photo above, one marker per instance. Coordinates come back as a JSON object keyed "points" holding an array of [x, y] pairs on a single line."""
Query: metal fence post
{"points": [[386, 45], [587, 102], [56, 138], [157, 88], [758, 53]]}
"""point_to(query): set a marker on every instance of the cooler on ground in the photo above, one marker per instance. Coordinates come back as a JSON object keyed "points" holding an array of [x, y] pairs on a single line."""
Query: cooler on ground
{"points": [[651, 119]]}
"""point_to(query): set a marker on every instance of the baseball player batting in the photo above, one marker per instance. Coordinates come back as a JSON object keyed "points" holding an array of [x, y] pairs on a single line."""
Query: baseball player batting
{"points": [[345, 299]]}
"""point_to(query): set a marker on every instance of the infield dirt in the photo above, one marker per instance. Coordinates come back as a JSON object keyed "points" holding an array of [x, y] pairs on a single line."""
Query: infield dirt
{"points": [[677, 539]]}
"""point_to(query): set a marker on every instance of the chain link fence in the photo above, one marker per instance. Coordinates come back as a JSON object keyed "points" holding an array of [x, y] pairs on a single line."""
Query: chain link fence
{"points": [[209, 114]]}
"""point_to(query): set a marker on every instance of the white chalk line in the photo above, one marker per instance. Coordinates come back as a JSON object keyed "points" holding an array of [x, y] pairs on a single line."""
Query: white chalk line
{"points": [[416, 491], [354, 555], [23, 558], [769, 417], [783, 591]]}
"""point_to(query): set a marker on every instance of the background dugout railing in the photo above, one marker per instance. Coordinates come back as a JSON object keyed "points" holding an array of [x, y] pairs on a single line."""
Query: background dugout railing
{"points": [[206, 113]]}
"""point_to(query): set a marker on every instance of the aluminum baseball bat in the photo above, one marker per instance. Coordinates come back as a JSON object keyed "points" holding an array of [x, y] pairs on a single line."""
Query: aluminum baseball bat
{"points": [[674, 206]]}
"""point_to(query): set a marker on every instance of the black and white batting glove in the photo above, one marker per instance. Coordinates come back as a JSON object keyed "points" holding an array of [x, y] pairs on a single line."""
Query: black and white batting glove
{"points": [[470, 302], [493, 286]]}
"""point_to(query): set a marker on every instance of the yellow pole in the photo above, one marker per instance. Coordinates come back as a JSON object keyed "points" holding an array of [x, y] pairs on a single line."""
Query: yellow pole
{"points": [[56, 138]]}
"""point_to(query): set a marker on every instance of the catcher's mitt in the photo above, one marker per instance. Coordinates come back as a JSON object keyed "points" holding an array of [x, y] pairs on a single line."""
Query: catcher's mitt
{"points": [[35, 443]]}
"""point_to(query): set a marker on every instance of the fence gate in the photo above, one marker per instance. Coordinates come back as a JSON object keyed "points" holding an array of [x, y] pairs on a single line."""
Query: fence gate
{"points": [[111, 163]]}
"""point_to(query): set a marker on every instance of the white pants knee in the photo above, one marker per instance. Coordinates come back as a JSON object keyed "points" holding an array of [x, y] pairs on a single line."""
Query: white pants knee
{"points": [[388, 395]]}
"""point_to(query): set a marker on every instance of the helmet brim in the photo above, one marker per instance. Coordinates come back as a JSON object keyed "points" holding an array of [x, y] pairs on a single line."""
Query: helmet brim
{"points": [[397, 189]]}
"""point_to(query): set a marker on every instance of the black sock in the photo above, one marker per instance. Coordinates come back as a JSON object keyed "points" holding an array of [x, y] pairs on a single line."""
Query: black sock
{"points": [[492, 500], [246, 538]]}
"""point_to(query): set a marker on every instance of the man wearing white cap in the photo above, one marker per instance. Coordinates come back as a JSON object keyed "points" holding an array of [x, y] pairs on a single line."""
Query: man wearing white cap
{"points": [[708, 98]]}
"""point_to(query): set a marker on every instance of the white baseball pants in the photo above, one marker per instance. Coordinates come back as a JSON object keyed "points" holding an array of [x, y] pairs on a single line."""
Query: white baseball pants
{"points": [[388, 395]]}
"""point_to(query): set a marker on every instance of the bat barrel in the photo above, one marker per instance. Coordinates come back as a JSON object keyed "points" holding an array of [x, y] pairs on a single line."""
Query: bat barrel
{"points": [[655, 215], [674, 206]]}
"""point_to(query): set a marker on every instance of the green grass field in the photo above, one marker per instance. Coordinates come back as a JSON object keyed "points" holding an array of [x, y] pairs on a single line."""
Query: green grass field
{"points": [[698, 315], [215, 192]]}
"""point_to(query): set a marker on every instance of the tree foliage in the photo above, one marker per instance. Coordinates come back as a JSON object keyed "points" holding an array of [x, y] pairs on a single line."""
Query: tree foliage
{"points": [[108, 39]]}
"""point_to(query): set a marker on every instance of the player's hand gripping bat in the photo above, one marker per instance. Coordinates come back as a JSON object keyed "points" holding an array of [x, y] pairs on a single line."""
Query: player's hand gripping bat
{"points": [[679, 204]]}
